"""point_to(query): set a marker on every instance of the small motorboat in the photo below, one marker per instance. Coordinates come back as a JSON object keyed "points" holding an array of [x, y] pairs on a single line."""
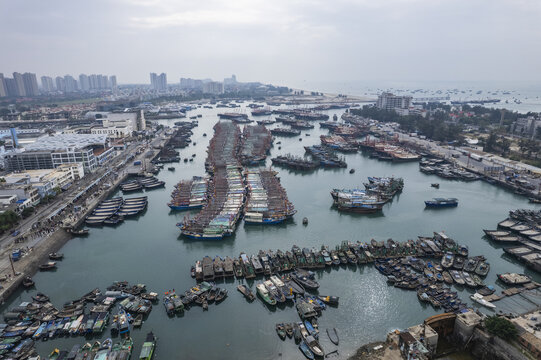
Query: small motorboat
{"points": [[221, 294], [479, 299], [330, 300], [289, 330], [79, 232], [281, 331], [56, 256], [171, 168], [352, 171], [246, 292], [435, 185], [28, 282], [40, 297], [333, 336], [305, 221], [48, 266]]}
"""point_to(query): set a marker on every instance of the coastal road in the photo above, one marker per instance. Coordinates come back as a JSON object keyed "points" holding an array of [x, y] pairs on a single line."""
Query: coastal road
{"points": [[457, 156]]}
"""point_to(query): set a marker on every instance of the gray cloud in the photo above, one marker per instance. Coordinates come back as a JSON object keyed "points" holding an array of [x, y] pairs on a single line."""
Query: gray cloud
{"points": [[277, 41]]}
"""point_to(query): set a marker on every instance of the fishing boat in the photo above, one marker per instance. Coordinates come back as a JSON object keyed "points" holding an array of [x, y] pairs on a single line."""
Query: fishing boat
{"points": [[480, 299], [48, 266], [314, 346], [330, 300], [264, 294], [306, 350], [246, 292], [482, 268], [514, 278], [457, 277], [304, 281], [148, 347], [447, 277], [28, 282], [220, 295], [104, 350], [123, 323], [138, 321], [468, 280], [281, 331], [442, 202], [333, 335], [447, 260], [56, 256]]}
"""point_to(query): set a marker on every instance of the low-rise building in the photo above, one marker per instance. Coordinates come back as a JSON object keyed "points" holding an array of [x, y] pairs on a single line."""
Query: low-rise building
{"points": [[529, 332], [22, 191], [46, 181], [48, 152]]}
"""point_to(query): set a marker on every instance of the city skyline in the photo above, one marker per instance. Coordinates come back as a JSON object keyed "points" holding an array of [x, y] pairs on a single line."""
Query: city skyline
{"points": [[281, 43]]}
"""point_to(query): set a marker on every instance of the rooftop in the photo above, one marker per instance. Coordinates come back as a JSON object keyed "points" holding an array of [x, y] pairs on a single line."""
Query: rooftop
{"points": [[65, 141]]}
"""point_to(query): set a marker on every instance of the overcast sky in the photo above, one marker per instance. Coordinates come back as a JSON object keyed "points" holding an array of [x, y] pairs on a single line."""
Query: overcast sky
{"points": [[277, 41]]}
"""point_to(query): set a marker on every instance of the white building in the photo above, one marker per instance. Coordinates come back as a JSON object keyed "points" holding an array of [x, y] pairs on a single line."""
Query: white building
{"points": [[388, 101], [45, 181], [48, 152], [213, 87]]}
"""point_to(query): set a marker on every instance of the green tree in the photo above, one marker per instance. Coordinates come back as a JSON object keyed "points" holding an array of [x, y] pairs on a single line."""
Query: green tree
{"points": [[7, 220], [27, 212], [501, 327]]}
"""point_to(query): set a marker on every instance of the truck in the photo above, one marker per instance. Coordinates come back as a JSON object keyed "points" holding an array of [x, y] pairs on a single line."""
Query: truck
{"points": [[476, 157]]}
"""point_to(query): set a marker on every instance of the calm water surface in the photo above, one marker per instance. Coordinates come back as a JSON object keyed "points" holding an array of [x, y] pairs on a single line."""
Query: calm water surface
{"points": [[149, 250]]}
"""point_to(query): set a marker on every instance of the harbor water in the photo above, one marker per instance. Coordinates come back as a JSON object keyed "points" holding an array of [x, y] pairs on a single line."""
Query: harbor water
{"points": [[149, 250]]}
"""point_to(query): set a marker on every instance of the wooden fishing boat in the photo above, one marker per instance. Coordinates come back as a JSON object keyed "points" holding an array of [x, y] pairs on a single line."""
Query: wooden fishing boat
{"points": [[306, 350], [457, 277], [56, 256], [138, 321], [330, 300], [447, 277], [148, 347], [221, 295], [514, 279], [28, 282], [289, 330], [281, 331], [48, 266], [482, 268], [468, 280]]}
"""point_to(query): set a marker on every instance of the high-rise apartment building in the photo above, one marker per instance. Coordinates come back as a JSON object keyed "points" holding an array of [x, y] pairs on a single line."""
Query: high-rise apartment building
{"points": [[3, 91], [11, 87], [30, 83], [389, 101], [70, 84], [158, 82], [19, 84], [84, 83], [47, 84], [112, 82], [60, 84]]}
